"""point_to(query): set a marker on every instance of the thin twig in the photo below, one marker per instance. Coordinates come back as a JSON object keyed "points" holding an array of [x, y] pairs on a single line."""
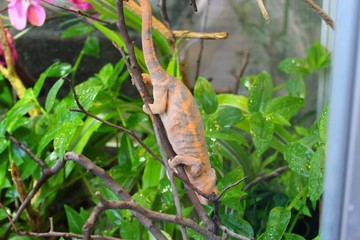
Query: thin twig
{"points": [[229, 187], [328, 20], [200, 35], [163, 12], [80, 13], [27, 150], [201, 49], [193, 4], [263, 10], [267, 177], [244, 64]]}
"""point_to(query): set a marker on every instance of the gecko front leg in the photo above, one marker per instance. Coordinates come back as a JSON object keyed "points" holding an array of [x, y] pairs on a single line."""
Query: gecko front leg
{"points": [[160, 95]]}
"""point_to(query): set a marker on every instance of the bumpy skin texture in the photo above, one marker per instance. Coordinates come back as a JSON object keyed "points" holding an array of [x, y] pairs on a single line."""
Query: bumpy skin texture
{"points": [[179, 114]]}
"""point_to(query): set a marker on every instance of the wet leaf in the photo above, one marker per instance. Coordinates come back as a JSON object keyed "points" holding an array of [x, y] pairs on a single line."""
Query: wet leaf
{"points": [[261, 130], [228, 116], [285, 106], [279, 218], [238, 225], [318, 57], [295, 66], [205, 95], [316, 174], [298, 156], [50, 99], [323, 123], [260, 93], [296, 87]]}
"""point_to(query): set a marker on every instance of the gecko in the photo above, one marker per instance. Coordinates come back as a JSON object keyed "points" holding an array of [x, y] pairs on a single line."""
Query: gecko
{"points": [[179, 113]]}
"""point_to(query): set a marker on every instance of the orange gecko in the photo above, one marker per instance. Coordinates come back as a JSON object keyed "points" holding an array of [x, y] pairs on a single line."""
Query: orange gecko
{"points": [[179, 114]]}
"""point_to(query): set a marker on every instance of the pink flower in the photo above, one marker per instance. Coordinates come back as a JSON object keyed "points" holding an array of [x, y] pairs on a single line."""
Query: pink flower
{"points": [[21, 11], [12, 49], [83, 5]]}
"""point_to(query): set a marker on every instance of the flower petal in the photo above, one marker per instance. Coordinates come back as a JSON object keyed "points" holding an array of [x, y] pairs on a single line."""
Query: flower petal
{"points": [[36, 14], [17, 13]]}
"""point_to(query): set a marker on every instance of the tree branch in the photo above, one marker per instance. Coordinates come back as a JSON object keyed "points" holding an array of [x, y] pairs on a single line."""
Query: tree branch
{"points": [[263, 177], [263, 10], [115, 187], [328, 20], [153, 215]]}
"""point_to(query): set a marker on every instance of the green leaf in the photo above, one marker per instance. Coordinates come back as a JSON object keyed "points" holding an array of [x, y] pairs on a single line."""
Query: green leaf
{"points": [[76, 30], [228, 116], [115, 37], [231, 198], [232, 100], [173, 67], [130, 229], [87, 92], [152, 173], [22, 107], [205, 95], [55, 70], [260, 92], [3, 144], [296, 87], [318, 57], [293, 236], [261, 130], [63, 138], [113, 78], [323, 123], [92, 46], [50, 99], [145, 197], [298, 156], [228, 134], [74, 219], [237, 224], [279, 218], [295, 66], [4, 181], [285, 106], [316, 174]]}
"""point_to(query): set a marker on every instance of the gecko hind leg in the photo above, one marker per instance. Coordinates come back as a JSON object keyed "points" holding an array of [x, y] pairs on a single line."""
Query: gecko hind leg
{"points": [[194, 163]]}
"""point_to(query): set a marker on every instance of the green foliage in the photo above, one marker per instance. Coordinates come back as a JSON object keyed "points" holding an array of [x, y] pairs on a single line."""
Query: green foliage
{"points": [[247, 136]]}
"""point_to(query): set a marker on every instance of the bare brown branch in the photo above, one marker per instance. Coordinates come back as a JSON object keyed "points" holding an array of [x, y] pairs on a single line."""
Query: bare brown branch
{"points": [[263, 10], [51, 233], [322, 13], [27, 150], [241, 72], [200, 35], [267, 177]]}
